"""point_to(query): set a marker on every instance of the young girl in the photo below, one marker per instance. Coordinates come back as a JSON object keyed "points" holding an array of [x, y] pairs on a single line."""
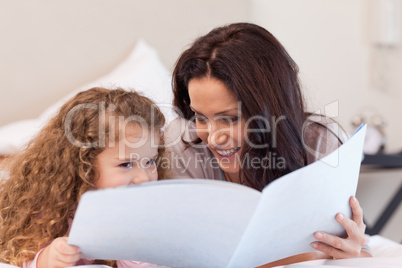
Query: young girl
{"points": [[100, 138]]}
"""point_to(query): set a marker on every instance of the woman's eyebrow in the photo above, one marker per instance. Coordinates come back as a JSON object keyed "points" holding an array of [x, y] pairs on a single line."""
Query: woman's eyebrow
{"points": [[194, 110], [219, 113], [226, 111]]}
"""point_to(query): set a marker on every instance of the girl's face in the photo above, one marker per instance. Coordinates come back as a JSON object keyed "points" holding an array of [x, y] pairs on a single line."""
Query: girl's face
{"points": [[131, 160], [218, 121]]}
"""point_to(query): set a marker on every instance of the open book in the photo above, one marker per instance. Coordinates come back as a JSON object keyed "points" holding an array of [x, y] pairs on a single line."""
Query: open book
{"points": [[206, 223]]}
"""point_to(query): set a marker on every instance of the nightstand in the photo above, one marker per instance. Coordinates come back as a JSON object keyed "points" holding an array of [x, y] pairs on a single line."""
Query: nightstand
{"points": [[380, 194]]}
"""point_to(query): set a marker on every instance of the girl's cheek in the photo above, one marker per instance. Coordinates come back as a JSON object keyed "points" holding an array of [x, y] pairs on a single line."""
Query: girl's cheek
{"points": [[154, 175], [155, 178]]}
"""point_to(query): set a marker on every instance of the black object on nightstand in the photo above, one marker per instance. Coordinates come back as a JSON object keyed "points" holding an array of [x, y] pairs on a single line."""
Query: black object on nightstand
{"points": [[384, 161]]}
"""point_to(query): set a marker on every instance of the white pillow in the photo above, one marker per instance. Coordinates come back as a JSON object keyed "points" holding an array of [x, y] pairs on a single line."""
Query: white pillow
{"points": [[142, 71], [383, 247]]}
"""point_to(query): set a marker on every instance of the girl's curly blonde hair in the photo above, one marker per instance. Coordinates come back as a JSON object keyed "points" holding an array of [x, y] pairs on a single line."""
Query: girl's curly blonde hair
{"points": [[48, 177]]}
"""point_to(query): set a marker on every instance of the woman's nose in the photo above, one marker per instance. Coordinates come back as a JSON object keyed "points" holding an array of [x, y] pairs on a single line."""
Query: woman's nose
{"points": [[218, 137]]}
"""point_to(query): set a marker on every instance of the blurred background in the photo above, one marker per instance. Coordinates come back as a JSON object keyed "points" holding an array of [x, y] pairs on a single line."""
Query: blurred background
{"points": [[349, 53]]}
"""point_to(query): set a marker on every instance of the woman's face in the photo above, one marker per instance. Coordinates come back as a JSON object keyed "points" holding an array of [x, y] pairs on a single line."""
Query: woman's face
{"points": [[218, 121]]}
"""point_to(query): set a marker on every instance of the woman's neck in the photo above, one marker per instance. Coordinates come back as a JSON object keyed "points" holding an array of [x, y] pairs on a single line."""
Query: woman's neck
{"points": [[235, 177], [232, 177]]}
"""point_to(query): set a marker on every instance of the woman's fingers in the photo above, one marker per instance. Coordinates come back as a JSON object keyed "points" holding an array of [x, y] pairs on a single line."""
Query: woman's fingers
{"points": [[357, 213], [336, 246], [354, 232], [332, 251], [348, 247]]}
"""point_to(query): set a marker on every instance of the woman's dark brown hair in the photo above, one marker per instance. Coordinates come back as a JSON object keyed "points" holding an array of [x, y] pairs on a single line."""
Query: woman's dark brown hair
{"points": [[256, 68]]}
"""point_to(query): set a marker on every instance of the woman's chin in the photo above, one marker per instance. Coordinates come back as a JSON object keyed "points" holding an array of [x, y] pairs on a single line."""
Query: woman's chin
{"points": [[231, 171]]}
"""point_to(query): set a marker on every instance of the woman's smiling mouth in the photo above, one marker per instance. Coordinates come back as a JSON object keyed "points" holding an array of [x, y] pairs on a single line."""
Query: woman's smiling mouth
{"points": [[227, 153]]}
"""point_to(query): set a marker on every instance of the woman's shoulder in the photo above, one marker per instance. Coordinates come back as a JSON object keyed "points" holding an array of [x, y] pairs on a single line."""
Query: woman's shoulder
{"points": [[320, 123], [188, 157], [177, 132], [321, 136]]}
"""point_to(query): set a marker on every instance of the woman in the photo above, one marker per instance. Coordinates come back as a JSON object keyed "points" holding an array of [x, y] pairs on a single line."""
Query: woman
{"points": [[238, 96]]}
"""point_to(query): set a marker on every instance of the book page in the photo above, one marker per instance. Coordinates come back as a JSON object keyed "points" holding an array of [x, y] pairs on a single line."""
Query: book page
{"points": [[177, 223], [300, 203]]}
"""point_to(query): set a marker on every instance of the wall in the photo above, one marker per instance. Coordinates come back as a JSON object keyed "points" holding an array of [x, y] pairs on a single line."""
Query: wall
{"points": [[48, 48], [331, 42]]}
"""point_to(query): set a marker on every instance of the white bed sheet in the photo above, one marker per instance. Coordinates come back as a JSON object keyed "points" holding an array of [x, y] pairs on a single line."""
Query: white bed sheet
{"points": [[386, 254]]}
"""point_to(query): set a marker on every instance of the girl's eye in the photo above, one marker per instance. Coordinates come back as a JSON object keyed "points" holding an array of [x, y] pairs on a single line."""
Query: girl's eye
{"points": [[151, 162], [126, 165]]}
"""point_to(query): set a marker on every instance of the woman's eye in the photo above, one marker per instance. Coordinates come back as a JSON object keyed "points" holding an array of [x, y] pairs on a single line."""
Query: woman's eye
{"points": [[126, 165], [200, 119], [228, 119], [233, 119]]}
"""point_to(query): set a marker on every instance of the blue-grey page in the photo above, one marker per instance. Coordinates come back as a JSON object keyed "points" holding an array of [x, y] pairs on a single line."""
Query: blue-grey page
{"points": [[176, 223], [295, 206]]}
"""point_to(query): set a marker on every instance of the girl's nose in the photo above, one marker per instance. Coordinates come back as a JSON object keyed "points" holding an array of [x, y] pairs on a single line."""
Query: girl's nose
{"points": [[140, 176]]}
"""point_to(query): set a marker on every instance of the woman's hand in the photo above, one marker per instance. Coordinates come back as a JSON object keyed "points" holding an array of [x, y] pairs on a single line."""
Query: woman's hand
{"points": [[59, 254], [350, 247]]}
